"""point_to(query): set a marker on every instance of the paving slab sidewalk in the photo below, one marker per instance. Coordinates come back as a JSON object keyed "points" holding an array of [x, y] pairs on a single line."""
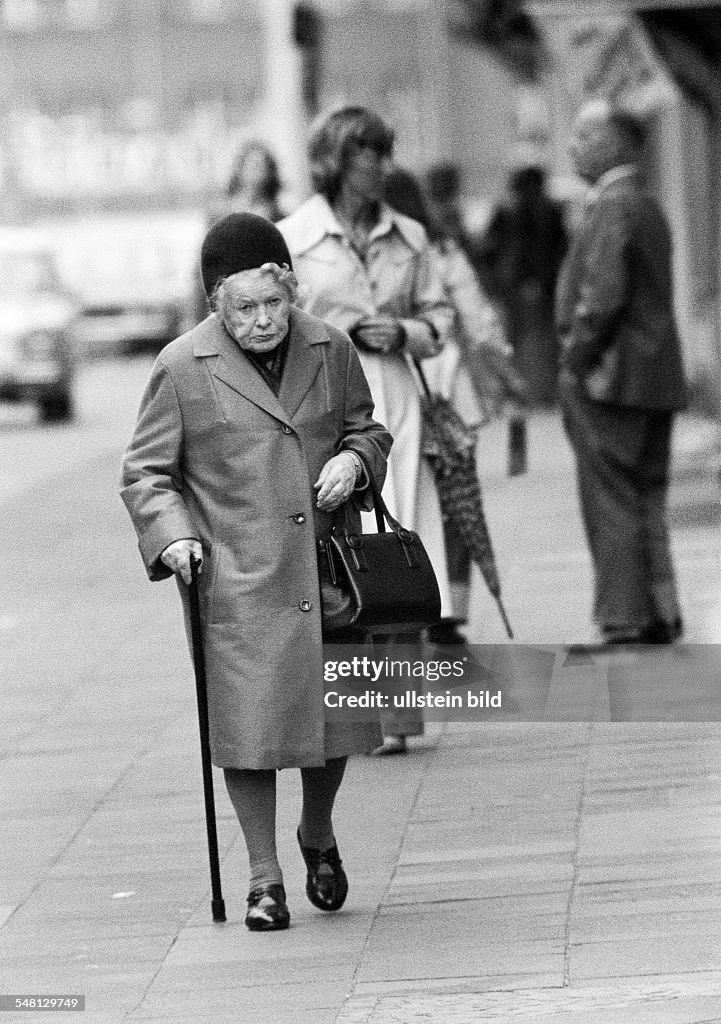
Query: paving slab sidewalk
{"points": [[557, 871]]}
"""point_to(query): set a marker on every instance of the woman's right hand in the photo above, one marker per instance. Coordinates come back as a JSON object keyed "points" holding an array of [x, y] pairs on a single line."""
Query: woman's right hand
{"points": [[177, 557]]}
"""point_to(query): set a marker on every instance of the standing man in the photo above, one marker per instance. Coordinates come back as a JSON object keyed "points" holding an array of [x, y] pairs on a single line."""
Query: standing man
{"points": [[622, 379]]}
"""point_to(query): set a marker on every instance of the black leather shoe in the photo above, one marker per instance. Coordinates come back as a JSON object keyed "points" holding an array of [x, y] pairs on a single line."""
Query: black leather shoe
{"points": [[618, 637], [660, 632], [325, 890], [267, 910]]}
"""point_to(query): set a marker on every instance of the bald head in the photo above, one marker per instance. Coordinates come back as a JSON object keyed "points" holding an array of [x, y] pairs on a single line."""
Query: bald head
{"points": [[604, 137]]}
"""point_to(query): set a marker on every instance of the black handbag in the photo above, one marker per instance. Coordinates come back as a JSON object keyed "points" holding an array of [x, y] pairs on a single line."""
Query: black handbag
{"points": [[376, 582]]}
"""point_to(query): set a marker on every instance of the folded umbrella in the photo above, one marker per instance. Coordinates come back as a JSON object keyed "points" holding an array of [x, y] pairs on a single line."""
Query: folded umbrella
{"points": [[449, 445]]}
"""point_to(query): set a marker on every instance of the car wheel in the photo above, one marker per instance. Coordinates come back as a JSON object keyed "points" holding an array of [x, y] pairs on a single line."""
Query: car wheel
{"points": [[57, 408]]}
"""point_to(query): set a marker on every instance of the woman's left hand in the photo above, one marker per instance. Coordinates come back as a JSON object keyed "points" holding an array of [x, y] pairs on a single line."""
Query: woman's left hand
{"points": [[336, 481], [379, 333]]}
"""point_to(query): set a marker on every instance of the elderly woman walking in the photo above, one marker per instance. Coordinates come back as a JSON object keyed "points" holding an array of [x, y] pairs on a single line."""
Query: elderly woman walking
{"points": [[254, 427], [368, 270]]}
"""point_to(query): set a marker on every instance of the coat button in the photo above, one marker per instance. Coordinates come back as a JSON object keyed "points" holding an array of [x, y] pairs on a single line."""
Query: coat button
{"points": [[299, 517], [305, 606], [286, 429]]}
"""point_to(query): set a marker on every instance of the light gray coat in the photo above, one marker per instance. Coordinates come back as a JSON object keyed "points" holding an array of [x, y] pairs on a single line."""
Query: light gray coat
{"points": [[217, 457]]}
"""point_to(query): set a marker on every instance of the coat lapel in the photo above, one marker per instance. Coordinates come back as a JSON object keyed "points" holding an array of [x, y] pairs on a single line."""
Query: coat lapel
{"points": [[303, 361], [302, 365], [235, 370]]}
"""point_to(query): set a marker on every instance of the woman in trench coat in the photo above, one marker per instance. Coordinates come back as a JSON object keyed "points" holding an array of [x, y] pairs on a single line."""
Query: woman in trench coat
{"points": [[253, 428], [368, 270]]}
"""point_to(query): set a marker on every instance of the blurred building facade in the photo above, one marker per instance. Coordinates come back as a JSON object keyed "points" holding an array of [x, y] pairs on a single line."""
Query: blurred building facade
{"points": [[114, 104], [126, 104], [663, 62]]}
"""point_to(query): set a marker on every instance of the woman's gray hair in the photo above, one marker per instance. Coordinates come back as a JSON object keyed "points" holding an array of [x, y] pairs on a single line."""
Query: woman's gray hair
{"points": [[284, 276], [330, 139]]}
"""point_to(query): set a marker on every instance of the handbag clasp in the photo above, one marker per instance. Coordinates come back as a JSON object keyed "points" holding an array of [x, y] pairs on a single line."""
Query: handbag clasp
{"points": [[407, 539], [355, 543]]}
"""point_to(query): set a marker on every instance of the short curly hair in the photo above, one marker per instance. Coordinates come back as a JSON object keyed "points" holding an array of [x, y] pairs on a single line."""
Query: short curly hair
{"points": [[330, 138], [284, 276]]}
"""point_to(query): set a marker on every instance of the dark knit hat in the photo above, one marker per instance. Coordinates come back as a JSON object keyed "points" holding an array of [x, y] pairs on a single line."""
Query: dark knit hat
{"points": [[241, 241]]}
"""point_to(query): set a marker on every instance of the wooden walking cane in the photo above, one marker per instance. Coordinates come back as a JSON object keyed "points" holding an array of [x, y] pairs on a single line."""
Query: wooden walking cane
{"points": [[217, 903]]}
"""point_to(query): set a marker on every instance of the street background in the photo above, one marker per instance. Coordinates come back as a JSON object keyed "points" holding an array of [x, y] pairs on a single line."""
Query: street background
{"points": [[121, 121], [561, 871]]}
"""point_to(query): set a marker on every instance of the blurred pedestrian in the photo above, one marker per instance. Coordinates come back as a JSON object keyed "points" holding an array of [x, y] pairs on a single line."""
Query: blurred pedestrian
{"points": [[254, 183], [622, 379], [369, 270], [523, 248], [466, 371], [254, 427], [253, 186], [442, 186]]}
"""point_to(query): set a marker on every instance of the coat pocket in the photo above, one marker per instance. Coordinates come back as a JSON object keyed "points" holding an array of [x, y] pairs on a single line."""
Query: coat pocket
{"points": [[211, 581]]}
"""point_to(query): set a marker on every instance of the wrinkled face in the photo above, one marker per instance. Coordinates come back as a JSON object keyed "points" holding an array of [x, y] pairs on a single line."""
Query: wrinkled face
{"points": [[594, 146], [364, 170], [255, 309]]}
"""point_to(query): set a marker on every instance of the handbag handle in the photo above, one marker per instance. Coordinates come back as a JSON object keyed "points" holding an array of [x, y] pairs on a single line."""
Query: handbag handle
{"points": [[379, 506], [380, 509]]}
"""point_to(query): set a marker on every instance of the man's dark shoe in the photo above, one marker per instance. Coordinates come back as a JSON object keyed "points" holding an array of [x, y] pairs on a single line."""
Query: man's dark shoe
{"points": [[267, 910], [327, 884], [660, 632], [610, 640], [621, 636]]}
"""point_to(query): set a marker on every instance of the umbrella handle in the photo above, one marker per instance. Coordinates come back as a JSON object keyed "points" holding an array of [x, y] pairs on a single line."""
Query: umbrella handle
{"points": [[422, 378]]}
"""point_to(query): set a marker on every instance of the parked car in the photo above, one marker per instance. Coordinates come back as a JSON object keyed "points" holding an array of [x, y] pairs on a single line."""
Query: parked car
{"points": [[133, 274], [38, 325]]}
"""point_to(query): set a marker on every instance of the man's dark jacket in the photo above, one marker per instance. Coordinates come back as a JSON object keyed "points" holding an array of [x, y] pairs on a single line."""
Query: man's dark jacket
{"points": [[614, 302]]}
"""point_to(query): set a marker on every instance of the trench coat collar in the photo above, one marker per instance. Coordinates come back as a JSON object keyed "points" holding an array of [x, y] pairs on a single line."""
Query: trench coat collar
{"points": [[315, 220], [302, 363]]}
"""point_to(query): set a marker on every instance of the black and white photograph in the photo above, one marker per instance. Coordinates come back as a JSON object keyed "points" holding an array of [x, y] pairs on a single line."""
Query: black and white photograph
{"points": [[360, 479]]}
